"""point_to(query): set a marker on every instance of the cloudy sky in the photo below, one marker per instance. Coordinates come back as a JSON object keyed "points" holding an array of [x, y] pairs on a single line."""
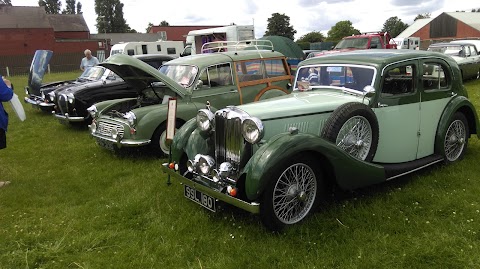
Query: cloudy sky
{"points": [[305, 15]]}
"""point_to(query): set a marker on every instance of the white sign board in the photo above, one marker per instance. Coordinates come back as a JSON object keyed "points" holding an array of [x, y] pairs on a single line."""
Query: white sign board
{"points": [[171, 117]]}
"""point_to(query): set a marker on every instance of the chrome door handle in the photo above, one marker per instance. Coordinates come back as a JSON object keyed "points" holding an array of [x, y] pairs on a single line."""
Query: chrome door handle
{"points": [[382, 105]]}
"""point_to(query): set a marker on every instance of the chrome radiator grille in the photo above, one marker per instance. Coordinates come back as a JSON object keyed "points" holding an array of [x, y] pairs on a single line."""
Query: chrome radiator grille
{"points": [[62, 103], [105, 128], [229, 142]]}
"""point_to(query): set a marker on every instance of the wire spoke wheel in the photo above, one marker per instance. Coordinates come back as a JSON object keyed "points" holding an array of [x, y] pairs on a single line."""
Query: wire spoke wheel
{"points": [[455, 139], [294, 193], [355, 137]]}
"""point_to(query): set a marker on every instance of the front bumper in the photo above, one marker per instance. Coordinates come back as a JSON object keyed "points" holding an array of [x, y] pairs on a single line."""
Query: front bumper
{"points": [[120, 142], [250, 207], [37, 102], [69, 118]]}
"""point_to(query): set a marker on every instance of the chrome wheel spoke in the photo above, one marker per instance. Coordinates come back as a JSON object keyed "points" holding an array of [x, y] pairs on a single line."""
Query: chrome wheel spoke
{"points": [[294, 193], [355, 137], [455, 140]]}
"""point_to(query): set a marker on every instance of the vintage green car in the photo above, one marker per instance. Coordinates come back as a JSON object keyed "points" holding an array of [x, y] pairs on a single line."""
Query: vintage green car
{"points": [[354, 119], [221, 78]]}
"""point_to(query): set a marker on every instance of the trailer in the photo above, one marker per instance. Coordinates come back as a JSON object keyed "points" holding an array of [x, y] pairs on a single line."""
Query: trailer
{"points": [[196, 38], [172, 48], [412, 43]]}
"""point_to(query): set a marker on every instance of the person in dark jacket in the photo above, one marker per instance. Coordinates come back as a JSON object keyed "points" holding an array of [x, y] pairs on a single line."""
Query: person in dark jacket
{"points": [[6, 93]]}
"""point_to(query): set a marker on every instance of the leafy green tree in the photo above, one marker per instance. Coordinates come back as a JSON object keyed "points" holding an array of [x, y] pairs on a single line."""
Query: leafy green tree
{"points": [[422, 16], [279, 24], [394, 26], [6, 2], [110, 17], [149, 26], [70, 7], [312, 37], [164, 23], [79, 8], [340, 30], [51, 6]]}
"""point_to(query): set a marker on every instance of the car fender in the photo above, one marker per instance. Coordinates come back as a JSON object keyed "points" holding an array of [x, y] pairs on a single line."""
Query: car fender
{"points": [[149, 122], [286, 145], [191, 141], [460, 103]]}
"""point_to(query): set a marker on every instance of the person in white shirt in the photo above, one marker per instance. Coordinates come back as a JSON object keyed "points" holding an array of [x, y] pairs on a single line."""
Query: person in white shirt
{"points": [[88, 61]]}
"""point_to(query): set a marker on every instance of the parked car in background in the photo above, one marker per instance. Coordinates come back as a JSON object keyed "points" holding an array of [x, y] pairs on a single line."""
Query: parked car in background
{"points": [[475, 42], [71, 103], [220, 78], [363, 117], [93, 85], [465, 54]]}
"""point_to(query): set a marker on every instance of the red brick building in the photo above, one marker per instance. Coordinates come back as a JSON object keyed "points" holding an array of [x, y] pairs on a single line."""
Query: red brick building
{"points": [[178, 33], [445, 28], [23, 30]]}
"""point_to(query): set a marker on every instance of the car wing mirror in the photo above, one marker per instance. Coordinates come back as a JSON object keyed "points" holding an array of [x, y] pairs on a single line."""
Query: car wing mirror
{"points": [[368, 91], [199, 84]]}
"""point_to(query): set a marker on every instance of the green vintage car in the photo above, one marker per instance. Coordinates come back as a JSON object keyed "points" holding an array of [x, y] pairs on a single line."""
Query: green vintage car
{"points": [[222, 78], [354, 119]]}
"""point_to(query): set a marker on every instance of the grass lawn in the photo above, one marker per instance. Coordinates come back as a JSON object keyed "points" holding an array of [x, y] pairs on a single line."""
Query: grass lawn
{"points": [[72, 204]]}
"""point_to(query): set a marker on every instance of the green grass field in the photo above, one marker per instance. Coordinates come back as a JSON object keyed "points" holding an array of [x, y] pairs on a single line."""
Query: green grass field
{"points": [[72, 204]]}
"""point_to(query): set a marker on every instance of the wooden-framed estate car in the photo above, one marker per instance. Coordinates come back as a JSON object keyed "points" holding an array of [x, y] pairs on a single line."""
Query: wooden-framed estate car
{"points": [[363, 118], [221, 78], [464, 53]]}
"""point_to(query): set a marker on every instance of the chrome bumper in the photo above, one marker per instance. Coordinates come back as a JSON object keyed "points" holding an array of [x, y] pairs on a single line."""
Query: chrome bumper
{"points": [[32, 102], [66, 117], [123, 142], [250, 207]]}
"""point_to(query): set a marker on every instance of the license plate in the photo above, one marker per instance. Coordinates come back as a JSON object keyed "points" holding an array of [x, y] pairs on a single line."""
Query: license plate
{"points": [[106, 144], [200, 198]]}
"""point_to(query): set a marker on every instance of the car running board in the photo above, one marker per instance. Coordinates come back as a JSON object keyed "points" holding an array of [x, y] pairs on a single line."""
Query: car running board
{"points": [[397, 170]]}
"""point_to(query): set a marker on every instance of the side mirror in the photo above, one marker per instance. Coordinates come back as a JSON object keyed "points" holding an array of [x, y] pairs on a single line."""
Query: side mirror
{"points": [[373, 46], [368, 91], [199, 84]]}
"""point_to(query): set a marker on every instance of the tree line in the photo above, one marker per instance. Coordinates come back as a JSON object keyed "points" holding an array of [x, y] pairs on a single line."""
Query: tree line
{"points": [[110, 20]]}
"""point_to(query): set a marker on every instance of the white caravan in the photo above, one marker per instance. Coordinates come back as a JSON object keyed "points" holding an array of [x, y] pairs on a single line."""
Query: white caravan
{"points": [[412, 43], [196, 38], [172, 48]]}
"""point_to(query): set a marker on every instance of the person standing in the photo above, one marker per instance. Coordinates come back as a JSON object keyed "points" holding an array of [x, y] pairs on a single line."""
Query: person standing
{"points": [[6, 94], [88, 61]]}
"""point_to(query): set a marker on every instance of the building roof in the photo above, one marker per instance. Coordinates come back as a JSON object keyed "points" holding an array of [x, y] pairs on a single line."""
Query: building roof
{"points": [[68, 23], [116, 38], [35, 17], [470, 18], [23, 17], [416, 25]]}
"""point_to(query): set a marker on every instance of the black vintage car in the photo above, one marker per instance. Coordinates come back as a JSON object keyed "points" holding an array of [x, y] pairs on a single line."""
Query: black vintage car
{"points": [[94, 85]]}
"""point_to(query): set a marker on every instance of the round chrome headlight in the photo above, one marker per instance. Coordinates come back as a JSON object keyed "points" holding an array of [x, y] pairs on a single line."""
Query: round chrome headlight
{"points": [[92, 110], [51, 95], [205, 119], [43, 96], [130, 117], [252, 129], [205, 164]]}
